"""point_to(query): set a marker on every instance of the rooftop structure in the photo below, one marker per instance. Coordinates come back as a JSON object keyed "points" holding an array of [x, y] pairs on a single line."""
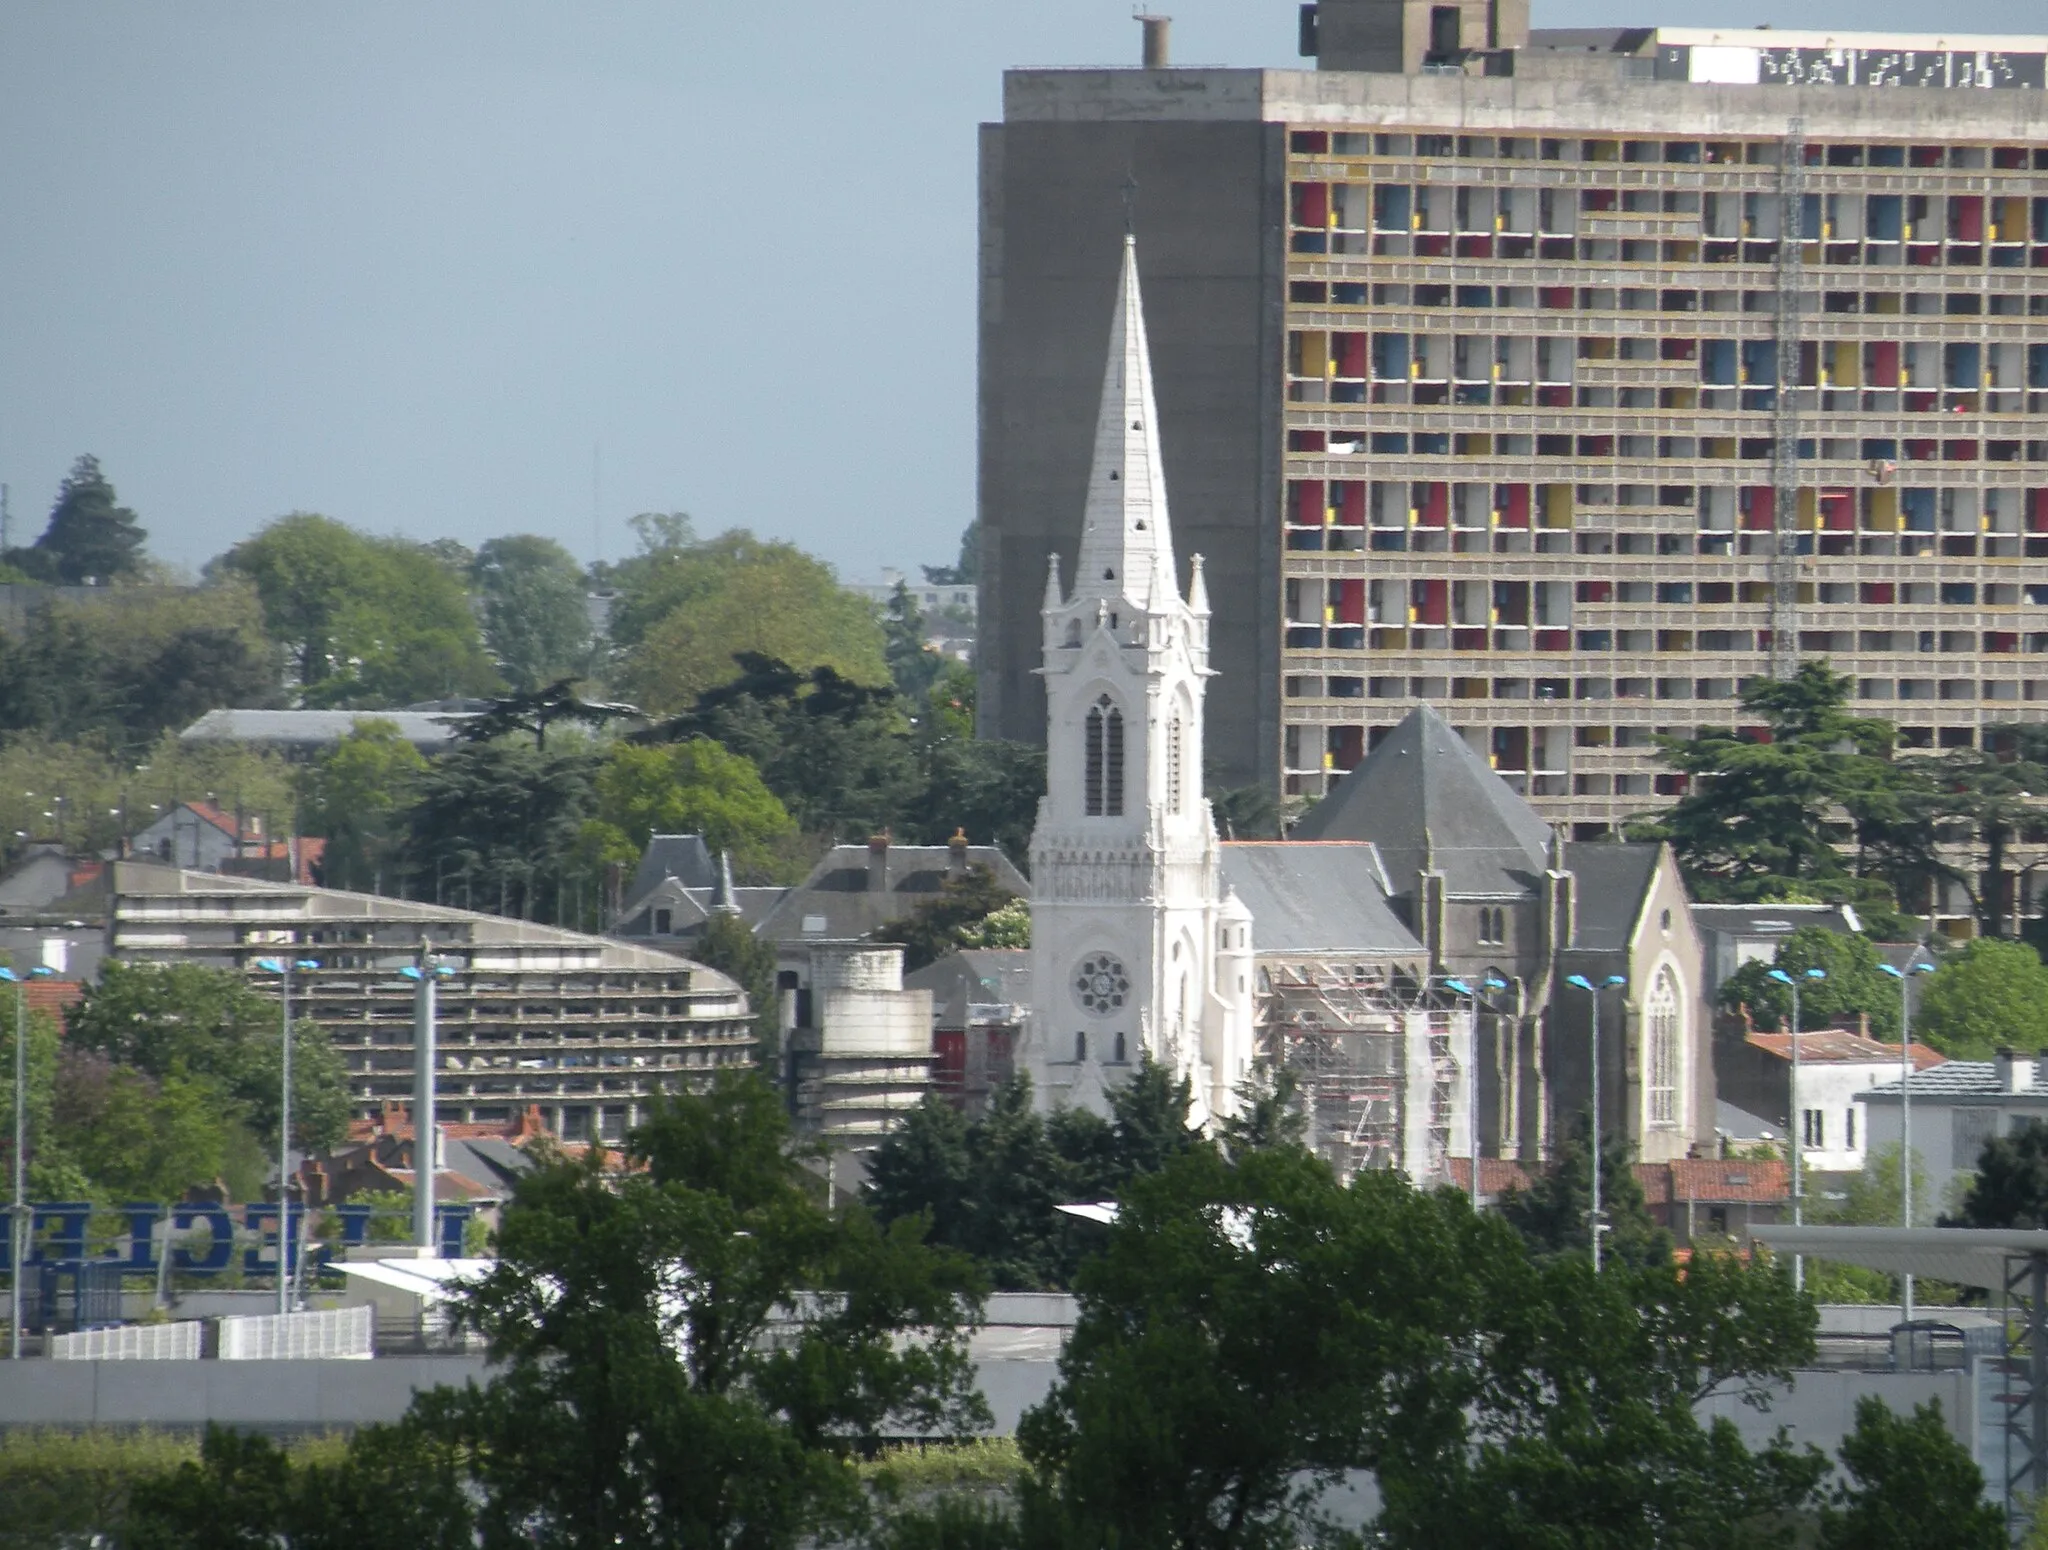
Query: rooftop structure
{"points": [[585, 1028], [311, 731], [1483, 360]]}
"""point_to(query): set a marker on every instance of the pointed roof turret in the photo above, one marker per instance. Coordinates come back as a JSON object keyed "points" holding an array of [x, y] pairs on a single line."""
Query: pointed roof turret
{"points": [[1126, 539], [1432, 804], [725, 900]]}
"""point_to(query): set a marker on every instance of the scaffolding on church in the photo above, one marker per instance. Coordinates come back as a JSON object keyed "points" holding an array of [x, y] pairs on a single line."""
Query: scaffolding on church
{"points": [[1381, 1064]]}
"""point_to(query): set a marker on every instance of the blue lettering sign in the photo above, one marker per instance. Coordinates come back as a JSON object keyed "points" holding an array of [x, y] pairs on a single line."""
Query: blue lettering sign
{"points": [[202, 1237]]}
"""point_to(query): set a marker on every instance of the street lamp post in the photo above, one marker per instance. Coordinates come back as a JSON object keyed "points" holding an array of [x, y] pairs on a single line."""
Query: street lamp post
{"points": [[1492, 982], [426, 1133], [1593, 994], [282, 968], [17, 1212], [1905, 978], [1795, 1132]]}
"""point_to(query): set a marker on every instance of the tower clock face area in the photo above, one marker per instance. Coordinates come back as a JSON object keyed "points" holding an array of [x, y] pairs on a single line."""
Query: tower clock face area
{"points": [[1101, 985]]}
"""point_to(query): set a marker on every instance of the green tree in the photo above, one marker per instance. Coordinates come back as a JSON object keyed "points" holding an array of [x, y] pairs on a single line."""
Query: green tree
{"points": [[836, 753], [393, 1488], [1553, 1215], [121, 675], [536, 622], [138, 1137], [693, 787], [965, 569], [985, 787], [636, 1399], [71, 1488], [1855, 984], [913, 666], [943, 923], [53, 1171], [500, 826], [356, 795], [367, 622], [91, 537], [699, 607], [1251, 1332], [1246, 813], [2011, 1184], [1910, 1486], [1991, 995], [1007, 926], [729, 945], [990, 1187], [1583, 1425], [1755, 823], [185, 1021]]}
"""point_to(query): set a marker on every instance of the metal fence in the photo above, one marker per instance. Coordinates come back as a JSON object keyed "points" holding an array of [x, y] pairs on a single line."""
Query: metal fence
{"points": [[333, 1333], [130, 1343]]}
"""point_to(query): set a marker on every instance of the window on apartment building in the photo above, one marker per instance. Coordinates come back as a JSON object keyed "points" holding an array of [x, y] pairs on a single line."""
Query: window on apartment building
{"points": [[1849, 1129], [1813, 1128], [1665, 1028], [1970, 1130]]}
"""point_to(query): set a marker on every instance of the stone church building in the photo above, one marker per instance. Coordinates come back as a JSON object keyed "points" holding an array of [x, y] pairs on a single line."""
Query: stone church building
{"points": [[1419, 947]]}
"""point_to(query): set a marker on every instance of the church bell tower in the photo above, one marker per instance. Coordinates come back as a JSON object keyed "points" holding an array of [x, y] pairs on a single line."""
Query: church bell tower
{"points": [[1128, 918]]}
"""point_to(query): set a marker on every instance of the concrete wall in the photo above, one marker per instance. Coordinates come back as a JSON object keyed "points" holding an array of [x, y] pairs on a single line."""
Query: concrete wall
{"points": [[1207, 211], [281, 1396]]}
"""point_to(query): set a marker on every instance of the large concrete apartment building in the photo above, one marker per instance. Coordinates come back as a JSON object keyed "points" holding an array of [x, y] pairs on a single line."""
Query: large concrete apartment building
{"points": [[1468, 345]]}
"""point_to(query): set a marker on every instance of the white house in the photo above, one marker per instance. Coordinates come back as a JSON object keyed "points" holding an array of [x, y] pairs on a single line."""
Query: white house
{"points": [[1825, 1108], [1957, 1107]]}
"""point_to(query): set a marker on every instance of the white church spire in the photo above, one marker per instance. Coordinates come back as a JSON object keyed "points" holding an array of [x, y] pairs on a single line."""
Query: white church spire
{"points": [[1126, 538], [1135, 952]]}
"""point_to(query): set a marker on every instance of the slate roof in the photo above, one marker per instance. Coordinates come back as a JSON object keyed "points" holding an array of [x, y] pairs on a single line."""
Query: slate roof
{"points": [[316, 728], [840, 898], [685, 857], [1424, 790], [1310, 896], [975, 977], [1957, 1079], [1610, 880], [1774, 919]]}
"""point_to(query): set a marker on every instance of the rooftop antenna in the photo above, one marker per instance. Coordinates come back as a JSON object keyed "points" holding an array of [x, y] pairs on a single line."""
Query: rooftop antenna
{"points": [[596, 503], [6, 522], [1130, 193]]}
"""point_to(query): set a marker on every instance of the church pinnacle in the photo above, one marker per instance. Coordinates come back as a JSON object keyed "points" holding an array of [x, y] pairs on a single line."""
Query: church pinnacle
{"points": [[1126, 538]]}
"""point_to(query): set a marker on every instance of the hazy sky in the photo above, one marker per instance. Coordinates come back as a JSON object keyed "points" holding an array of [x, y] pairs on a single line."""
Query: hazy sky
{"points": [[406, 261]]}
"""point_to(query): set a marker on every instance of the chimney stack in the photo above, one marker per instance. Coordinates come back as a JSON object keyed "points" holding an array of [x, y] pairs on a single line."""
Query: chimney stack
{"points": [[878, 862], [1157, 32], [956, 853], [2015, 1072]]}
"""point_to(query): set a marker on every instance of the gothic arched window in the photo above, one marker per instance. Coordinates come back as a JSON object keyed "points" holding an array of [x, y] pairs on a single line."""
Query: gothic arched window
{"points": [[1103, 777], [1664, 1028]]}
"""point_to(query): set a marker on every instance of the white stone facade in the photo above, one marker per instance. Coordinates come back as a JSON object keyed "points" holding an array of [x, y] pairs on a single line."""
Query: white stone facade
{"points": [[1137, 949]]}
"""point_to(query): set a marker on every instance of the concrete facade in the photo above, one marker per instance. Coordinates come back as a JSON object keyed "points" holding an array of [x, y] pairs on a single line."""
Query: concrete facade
{"points": [[585, 1028], [1468, 381]]}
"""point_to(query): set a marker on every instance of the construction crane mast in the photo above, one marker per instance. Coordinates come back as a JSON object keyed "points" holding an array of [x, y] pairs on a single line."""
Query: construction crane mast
{"points": [[1784, 624]]}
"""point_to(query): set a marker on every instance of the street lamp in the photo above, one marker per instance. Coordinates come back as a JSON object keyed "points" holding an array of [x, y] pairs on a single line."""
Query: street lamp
{"points": [[1593, 994], [1796, 1144], [426, 1133], [17, 1214], [282, 968], [1905, 978]]}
